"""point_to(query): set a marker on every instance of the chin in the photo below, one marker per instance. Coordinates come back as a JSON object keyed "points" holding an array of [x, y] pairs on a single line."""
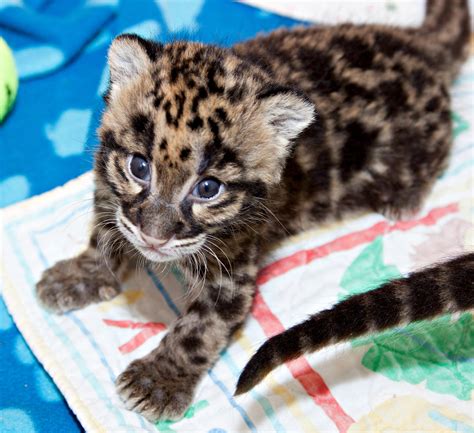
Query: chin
{"points": [[155, 256]]}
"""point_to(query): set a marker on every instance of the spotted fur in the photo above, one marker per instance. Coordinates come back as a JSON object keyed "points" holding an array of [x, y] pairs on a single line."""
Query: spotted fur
{"points": [[299, 126], [423, 295]]}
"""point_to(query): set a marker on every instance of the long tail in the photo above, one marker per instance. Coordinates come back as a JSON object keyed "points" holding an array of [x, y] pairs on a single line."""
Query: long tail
{"points": [[425, 294], [447, 24]]}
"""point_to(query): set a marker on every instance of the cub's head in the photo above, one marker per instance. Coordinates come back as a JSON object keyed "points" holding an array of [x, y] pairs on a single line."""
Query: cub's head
{"points": [[192, 140]]}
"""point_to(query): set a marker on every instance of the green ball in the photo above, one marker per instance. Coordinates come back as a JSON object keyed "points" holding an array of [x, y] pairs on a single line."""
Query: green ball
{"points": [[8, 80]]}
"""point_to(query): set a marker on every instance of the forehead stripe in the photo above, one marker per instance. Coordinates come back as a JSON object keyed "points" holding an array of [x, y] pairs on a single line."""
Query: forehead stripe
{"points": [[144, 128], [110, 143]]}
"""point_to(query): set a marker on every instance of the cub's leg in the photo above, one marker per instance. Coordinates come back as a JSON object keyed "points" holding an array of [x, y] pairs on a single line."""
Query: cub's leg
{"points": [[88, 278], [162, 384]]}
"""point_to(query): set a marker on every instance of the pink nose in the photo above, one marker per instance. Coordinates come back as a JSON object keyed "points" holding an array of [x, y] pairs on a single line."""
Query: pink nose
{"points": [[153, 242]]}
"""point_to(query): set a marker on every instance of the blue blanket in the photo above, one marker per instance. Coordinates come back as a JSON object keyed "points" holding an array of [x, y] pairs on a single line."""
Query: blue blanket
{"points": [[60, 48]]}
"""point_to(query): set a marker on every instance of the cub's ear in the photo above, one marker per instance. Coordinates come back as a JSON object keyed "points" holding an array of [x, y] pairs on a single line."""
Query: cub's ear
{"points": [[281, 114], [286, 111], [129, 56]]}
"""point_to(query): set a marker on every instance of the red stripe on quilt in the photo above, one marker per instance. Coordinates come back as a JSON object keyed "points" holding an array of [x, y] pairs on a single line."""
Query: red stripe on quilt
{"points": [[349, 241], [311, 381], [148, 330], [301, 370]]}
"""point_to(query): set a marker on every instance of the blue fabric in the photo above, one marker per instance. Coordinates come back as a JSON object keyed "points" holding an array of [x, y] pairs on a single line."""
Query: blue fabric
{"points": [[60, 48]]}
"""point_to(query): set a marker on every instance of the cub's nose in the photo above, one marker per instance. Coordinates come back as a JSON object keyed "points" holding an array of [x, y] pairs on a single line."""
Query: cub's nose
{"points": [[153, 242]]}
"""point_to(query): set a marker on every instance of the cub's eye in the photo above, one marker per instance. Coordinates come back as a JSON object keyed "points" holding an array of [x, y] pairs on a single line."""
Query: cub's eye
{"points": [[140, 168], [208, 189]]}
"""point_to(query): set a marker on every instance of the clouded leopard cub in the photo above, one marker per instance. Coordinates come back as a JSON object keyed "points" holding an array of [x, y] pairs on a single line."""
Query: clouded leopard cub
{"points": [[212, 155]]}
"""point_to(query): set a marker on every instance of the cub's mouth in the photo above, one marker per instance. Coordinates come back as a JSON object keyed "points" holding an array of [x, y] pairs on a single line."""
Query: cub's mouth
{"points": [[158, 250]]}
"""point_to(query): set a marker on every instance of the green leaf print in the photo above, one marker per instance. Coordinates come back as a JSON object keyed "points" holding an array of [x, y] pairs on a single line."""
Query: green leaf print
{"points": [[368, 270], [166, 426], [459, 124], [439, 353]]}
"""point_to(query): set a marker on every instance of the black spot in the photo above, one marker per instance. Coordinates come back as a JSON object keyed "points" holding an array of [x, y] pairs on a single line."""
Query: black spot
{"points": [[174, 74], [221, 114], [355, 152], [230, 310], [394, 95], [321, 209], [384, 306], [178, 227], [199, 308], [206, 158], [198, 359], [445, 116], [288, 343], [191, 343], [201, 95], [214, 127], [244, 280], [242, 259], [424, 295], [167, 108], [357, 52], [195, 123], [145, 130], [139, 123], [212, 86], [460, 281], [322, 64], [190, 83], [319, 328], [389, 44], [319, 174], [354, 90], [419, 80], [320, 182], [198, 56], [163, 144], [433, 104], [184, 154], [255, 188], [179, 102], [228, 156], [350, 317], [110, 143], [93, 240], [157, 101]]}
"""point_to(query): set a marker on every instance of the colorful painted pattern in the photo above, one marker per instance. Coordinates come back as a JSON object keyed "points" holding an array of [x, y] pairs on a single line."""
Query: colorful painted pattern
{"points": [[424, 372], [84, 351], [60, 49]]}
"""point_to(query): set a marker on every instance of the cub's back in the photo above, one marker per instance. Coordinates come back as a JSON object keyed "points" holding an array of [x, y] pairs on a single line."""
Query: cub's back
{"points": [[383, 130]]}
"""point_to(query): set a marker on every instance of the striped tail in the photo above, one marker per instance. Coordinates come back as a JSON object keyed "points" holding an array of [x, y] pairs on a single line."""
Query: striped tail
{"points": [[425, 294], [447, 24]]}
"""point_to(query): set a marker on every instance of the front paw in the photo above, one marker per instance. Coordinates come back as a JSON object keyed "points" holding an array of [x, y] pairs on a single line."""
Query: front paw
{"points": [[154, 393], [76, 283]]}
